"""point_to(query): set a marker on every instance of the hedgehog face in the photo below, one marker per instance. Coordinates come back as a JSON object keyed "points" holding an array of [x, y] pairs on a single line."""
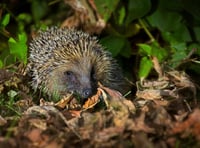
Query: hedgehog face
{"points": [[74, 78], [78, 83]]}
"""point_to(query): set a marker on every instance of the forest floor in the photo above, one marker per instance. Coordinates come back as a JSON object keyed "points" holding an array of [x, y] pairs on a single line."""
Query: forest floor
{"points": [[162, 113]]}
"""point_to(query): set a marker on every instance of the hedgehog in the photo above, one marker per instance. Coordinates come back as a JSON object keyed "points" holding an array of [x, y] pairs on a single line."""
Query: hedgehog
{"points": [[63, 61]]}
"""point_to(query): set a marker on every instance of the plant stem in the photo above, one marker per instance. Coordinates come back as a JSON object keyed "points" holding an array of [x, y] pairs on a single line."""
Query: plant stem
{"points": [[146, 30]]}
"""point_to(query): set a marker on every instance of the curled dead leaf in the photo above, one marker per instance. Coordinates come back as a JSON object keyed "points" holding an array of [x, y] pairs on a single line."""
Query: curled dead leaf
{"points": [[92, 101], [113, 93], [64, 101]]}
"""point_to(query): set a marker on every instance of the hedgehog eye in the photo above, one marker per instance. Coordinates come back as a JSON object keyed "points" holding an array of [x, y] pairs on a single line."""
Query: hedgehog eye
{"points": [[70, 77], [68, 73]]}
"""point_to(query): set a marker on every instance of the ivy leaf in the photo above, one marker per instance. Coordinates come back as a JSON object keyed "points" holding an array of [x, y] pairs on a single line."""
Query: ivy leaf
{"points": [[137, 9], [113, 43], [145, 49], [18, 47], [153, 50], [164, 20], [158, 51], [179, 54]]}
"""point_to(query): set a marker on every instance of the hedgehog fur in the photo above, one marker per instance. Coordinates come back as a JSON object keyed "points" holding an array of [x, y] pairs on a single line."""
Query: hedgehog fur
{"points": [[63, 61]]}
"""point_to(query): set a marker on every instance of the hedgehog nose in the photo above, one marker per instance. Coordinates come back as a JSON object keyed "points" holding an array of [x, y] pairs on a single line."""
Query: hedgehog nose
{"points": [[87, 92]]}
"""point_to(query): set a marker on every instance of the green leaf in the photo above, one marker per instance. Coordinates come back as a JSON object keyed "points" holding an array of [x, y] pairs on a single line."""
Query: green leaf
{"points": [[18, 47], [170, 21], [105, 8], [25, 17], [5, 20], [145, 67], [181, 33], [153, 50], [195, 46], [39, 9], [122, 14], [137, 9], [180, 53], [6, 57], [113, 43], [145, 49], [197, 33], [126, 50], [164, 20], [179, 46], [170, 5], [158, 51]]}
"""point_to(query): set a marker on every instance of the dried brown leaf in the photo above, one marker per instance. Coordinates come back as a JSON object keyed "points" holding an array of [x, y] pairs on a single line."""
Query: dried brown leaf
{"points": [[183, 82], [189, 126], [129, 104], [75, 113], [108, 133], [38, 123], [92, 101], [35, 135], [40, 140], [139, 124], [113, 93], [64, 101], [149, 94]]}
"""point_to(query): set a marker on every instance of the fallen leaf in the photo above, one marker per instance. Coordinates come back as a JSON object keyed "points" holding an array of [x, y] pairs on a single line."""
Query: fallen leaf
{"points": [[92, 101], [113, 93], [64, 101], [189, 126], [75, 113]]}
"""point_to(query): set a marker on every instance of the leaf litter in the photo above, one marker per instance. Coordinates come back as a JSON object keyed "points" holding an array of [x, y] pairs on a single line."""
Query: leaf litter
{"points": [[164, 112]]}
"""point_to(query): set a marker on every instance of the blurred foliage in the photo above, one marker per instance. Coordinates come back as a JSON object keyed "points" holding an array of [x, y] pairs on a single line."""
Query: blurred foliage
{"points": [[16, 47], [137, 29], [168, 30]]}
